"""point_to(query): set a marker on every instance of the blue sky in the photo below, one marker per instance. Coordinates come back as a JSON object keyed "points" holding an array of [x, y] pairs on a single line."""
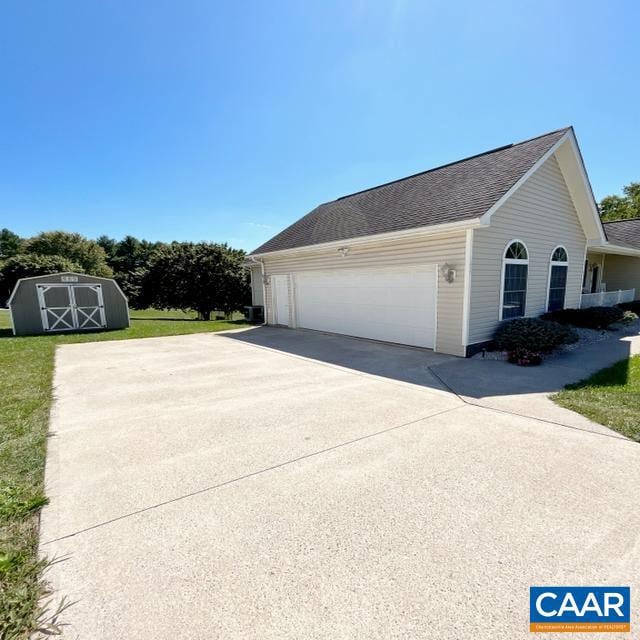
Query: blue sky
{"points": [[226, 121]]}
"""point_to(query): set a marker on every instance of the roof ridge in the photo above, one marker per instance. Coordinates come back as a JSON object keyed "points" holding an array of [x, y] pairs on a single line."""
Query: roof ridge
{"points": [[449, 164]]}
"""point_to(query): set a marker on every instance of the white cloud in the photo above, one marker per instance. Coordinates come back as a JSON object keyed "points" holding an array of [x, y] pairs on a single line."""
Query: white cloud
{"points": [[258, 225]]}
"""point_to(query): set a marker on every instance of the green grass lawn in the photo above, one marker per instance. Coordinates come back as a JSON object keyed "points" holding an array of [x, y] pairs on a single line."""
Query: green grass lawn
{"points": [[610, 397], [26, 366]]}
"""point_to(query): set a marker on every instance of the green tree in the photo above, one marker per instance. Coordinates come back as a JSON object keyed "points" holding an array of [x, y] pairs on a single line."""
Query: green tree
{"points": [[109, 245], [129, 259], [88, 254], [202, 277], [28, 265], [632, 192], [622, 207], [10, 244], [131, 254]]}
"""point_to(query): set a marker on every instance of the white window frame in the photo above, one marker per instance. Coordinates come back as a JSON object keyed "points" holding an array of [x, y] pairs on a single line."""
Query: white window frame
{"points": [[506, 261], [557, 263]]}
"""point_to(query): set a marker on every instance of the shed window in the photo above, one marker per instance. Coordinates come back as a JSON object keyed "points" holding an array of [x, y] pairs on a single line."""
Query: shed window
{"points": [[515, 269], [557, 279]]}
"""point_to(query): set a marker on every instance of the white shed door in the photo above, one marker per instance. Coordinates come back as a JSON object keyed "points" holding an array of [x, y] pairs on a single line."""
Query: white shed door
{"points": [[390, 304], [65, 307]]}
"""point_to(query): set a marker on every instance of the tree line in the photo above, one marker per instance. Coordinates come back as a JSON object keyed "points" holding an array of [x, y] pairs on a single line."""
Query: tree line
{"points": [[201, 277]]}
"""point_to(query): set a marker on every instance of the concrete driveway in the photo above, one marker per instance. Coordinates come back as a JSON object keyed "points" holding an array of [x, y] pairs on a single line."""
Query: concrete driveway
{"points": [[281, 484]]}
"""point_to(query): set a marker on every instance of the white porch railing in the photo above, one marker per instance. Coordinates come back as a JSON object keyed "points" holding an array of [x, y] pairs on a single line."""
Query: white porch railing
{"points": [[607, 298]]}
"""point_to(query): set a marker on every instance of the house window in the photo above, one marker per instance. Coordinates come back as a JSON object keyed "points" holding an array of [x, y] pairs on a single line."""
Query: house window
{"points": [[515, 270], [557, 279]]}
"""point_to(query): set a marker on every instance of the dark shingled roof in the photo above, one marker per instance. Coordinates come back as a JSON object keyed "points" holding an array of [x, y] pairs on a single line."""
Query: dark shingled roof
{"points": [[454, 192], [624, 233]]}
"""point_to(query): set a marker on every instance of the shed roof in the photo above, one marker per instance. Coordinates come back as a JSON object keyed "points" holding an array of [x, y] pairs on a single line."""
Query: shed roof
{"points": [[48, 276], [454, 192]]}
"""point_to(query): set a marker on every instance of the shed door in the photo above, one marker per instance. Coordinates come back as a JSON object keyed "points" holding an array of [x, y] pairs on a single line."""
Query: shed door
{"points": [[390, 304], [56, 307], [66, 307], [89, 306]]}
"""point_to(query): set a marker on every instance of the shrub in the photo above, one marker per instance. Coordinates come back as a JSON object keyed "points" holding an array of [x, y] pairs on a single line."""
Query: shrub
{"points": [[525, 358], [629, 317], [533, 335], [589, 318], [630, 306]]}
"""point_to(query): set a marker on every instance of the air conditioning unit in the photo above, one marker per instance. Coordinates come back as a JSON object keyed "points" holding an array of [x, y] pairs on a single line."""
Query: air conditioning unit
{"points": [[254, 314]]}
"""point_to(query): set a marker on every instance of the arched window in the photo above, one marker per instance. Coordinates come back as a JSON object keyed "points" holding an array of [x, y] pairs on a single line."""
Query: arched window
{"points": [[515, 272], [557, 279]]}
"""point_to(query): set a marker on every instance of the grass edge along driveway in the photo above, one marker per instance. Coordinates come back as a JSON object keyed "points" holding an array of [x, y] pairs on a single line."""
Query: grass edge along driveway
{"points": [[26, 366], [610, 396]]}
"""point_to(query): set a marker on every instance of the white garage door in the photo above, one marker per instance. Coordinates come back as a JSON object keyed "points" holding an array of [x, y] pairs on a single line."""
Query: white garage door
{"points": [[390, 304]]}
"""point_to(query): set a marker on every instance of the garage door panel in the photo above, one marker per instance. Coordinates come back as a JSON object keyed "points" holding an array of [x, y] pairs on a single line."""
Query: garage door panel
{"points": [[395, 305], [373, 329], [405, 315]]}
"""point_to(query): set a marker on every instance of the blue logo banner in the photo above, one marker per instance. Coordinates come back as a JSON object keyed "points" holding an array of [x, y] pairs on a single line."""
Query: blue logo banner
{"points": [[579, 609]]}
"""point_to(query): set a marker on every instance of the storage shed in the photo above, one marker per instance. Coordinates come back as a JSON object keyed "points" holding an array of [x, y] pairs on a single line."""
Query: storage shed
{"points": [[67, 302]]}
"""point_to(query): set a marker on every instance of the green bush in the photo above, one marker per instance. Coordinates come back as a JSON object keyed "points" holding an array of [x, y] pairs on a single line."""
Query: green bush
{"points": [[533, 335], [630, 306], [590, 318]]}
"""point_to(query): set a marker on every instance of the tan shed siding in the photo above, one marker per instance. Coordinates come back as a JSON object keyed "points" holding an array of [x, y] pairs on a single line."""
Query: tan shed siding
{"points": [[447, 248], [622, 272], [542, 215], [256, 285]]}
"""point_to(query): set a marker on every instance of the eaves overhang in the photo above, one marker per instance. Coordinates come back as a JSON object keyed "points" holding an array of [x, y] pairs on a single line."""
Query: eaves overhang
{"points": [[609, 248], [416, 232]]}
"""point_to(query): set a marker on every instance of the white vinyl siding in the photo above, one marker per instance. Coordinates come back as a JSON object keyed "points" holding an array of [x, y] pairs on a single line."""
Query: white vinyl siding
{"points": [[621, 272], [436, 250], [540, 214]]}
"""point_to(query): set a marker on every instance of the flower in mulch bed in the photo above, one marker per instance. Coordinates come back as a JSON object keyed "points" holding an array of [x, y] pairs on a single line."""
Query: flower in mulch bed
{"points": [[525, 357]]}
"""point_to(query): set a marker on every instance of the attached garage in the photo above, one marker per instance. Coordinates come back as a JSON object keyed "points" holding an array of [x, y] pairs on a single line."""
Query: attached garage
{"points": [[365, 264], [390, 304], [393, 291], [66, 302]]}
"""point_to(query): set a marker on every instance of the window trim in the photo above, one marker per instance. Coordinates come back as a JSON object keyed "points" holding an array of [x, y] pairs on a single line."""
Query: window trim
{"points": [[506, 261], [557, 263]]}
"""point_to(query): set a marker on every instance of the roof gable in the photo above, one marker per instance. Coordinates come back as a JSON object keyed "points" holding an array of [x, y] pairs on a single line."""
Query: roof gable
{"points": [[456, 192]]}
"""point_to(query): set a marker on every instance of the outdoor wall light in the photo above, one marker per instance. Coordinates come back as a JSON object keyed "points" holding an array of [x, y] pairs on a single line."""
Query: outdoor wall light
{"points": [[343, 251], [448, 273]]}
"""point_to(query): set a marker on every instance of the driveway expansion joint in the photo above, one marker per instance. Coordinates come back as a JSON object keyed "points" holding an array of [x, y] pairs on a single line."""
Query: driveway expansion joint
{"points": [[252, 474], [525, 415]]}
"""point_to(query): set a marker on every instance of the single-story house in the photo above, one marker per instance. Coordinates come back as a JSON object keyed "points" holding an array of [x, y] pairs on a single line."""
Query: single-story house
{"points": [[438, 259]]}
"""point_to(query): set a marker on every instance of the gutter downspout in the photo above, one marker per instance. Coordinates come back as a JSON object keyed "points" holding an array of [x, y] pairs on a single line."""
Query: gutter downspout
{"points": [[264, 288]]}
